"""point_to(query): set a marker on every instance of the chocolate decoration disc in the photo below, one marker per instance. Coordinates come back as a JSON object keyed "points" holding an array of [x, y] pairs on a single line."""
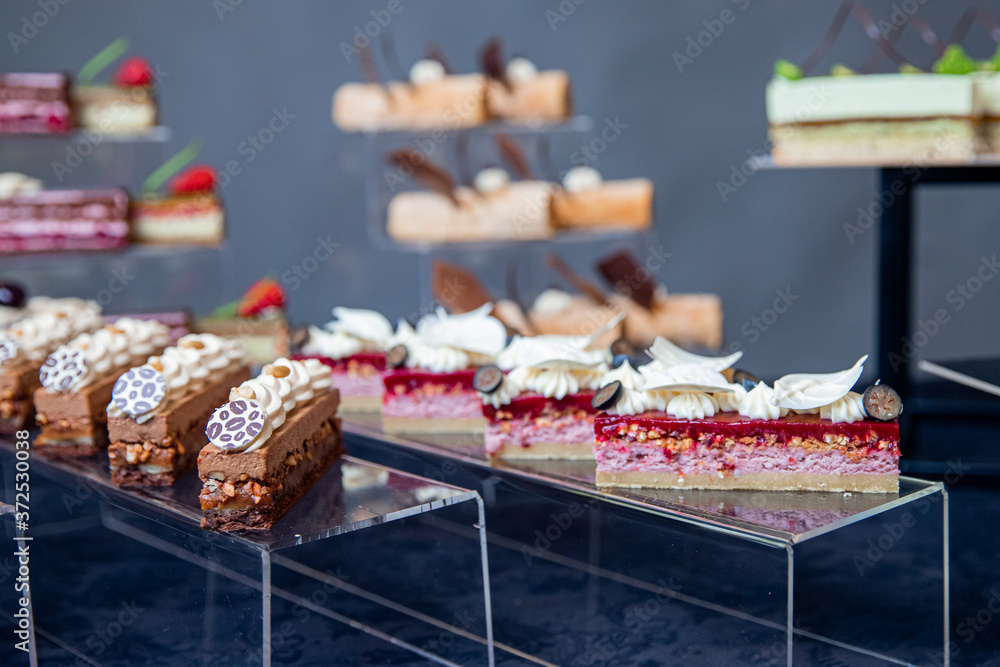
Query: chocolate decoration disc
{"points": [[63, 369], [8, 348], [607, 396], [11, 295], [487, 379], [236, 424], [881, 402], [396, 356], [139, 391]]}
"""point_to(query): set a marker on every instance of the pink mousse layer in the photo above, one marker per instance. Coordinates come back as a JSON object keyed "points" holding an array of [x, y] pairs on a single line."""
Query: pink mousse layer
{"points": [[619, 455], [464, 404], [356, 385], [522, 432]]}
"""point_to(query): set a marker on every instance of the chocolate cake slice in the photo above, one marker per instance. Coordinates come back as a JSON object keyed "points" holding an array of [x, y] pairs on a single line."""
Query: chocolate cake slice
{"points": [[268, 445]]}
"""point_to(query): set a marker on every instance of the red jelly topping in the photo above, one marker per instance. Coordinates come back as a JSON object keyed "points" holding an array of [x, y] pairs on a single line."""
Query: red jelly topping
{"points": [[536, 405], [732, 425], [374, 359], [411, 379]]}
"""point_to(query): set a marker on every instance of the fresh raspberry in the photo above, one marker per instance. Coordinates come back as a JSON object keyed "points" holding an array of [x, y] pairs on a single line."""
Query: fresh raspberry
{"points": [[262, 295], [200, 178], [134, 72]]}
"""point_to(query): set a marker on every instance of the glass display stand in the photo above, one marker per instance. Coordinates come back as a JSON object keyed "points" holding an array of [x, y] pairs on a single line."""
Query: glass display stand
{"points": [[925, 400], [781, 578], [85, 159], [178, 594], [463, 152]]}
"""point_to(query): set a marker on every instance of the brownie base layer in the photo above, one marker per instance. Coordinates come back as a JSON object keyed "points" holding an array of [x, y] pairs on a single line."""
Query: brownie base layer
{"points": [[360, 403], [67, 449], [21, 414], [179, 430], [325, 453], [580, 451], [763, 481], [432, 425]]}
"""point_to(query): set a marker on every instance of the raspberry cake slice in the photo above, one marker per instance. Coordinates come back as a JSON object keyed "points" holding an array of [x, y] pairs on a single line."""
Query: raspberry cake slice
{"points": [[430, 388], [541, 409], [353, 347], [686, 426]]}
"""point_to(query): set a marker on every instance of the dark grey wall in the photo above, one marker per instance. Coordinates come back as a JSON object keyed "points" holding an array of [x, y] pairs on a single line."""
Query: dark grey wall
{"points": [[687, 130]]}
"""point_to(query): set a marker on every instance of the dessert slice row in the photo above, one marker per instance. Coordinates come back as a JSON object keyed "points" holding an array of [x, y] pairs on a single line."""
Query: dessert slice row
{"points": [[24, 347], [433, 97], [268, 445]]}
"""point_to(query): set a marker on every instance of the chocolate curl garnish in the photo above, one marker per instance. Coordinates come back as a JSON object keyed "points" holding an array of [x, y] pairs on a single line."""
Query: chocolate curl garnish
{"points": [[369, 70], [578, 282], [458, 290], [968, 19], [390, 56], [434, 52], [425, 171], [848, 8], [513, 155], [624, 274], [491, 61], [921, 27]]}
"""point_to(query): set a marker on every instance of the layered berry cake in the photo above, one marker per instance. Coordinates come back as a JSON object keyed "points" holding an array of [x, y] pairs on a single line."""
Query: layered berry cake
{"points": [[687, 426], [429, 389], [541, 408], [353, 346]]}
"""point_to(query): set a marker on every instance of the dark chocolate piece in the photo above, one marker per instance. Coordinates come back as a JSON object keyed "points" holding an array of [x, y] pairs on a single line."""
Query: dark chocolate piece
{"points": [[881, 402], [625, 276], [746, 379], [491, 61], [11, 295], [513, 156], [607, 396], [869, 26], [622, 347], [487, 379], [425, 171], [434, 52], [456, 289], [576, 280], [396, 356]]}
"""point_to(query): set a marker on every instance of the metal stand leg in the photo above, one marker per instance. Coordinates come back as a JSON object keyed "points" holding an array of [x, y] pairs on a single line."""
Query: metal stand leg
{"points": [[895, 271]]}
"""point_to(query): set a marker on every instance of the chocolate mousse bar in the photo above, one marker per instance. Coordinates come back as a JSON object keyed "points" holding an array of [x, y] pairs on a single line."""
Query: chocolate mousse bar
{"points": [[683, 425], [35, 103], [158, 411], [268, 445], [77, 380], [24, 347]]}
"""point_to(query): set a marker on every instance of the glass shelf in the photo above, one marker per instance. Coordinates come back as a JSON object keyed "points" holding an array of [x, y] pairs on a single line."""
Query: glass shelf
{"points": [[767, 162], [573, 124], [754, 566], [352, 496], [135, 279], [86, 159], [776, 518]]}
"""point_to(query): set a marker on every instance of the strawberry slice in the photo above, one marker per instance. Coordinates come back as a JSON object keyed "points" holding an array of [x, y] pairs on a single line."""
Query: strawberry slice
{"points": [[134, 72], [261, 296], [200, 178]]}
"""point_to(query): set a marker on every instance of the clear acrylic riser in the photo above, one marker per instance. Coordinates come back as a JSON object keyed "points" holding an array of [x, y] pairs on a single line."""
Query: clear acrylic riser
{"points": [[124, 577], [85, 159], [698, 576], [140, 278]]}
